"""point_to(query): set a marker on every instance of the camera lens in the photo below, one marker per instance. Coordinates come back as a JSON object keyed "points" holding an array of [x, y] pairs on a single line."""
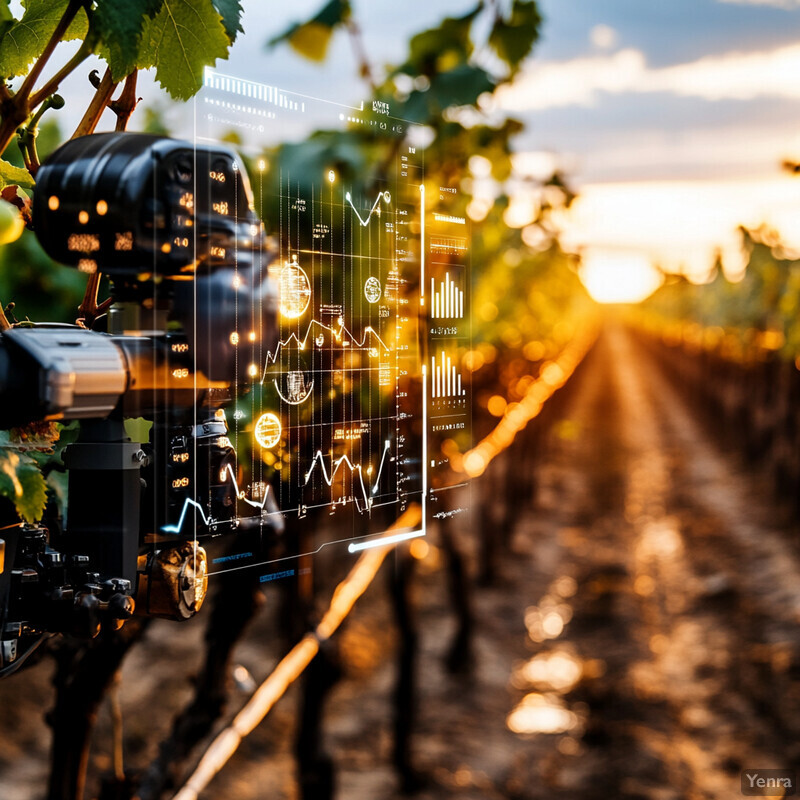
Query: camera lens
{"points": [[151, 191]]}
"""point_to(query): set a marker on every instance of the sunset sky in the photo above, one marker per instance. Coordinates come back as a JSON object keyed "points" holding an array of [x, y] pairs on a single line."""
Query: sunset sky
{"points": [[671, 119]]}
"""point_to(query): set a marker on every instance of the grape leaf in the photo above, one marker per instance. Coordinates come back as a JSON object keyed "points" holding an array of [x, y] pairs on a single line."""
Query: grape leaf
{"points": [[26, 38], [460, 86], [183, 38], [58, 484], [311, 39], [442, 47], [231, 13], [17, 176], [120, 26], [6, 17], [138, 429], [452, 36], [513, 39], [23, 483]]}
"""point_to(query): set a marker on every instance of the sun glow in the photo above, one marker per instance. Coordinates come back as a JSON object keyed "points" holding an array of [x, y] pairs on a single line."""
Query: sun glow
{"points": [[619, 277]]}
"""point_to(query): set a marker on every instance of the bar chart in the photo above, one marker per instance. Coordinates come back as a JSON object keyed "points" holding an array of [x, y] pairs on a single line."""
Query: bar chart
{"points": [[445, 378], [270, 95], [447, 299]]}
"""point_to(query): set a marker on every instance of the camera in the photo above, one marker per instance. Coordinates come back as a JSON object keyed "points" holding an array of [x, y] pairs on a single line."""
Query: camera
{"points": [[173, 226]]}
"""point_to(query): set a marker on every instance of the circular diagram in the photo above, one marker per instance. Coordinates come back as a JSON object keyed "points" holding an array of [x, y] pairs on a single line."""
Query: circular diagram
{"points": [[294, 387], [268, 430], [295, 290], [372, 290]]}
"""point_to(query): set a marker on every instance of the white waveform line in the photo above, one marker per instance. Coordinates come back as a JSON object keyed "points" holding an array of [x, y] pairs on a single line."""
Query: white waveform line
{"points": [[382, 541], [207, 520], [337, 335], [367, 494], [385, 196]]}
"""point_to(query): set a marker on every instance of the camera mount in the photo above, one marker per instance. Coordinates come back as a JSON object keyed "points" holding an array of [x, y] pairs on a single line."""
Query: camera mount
{"points": [[173, 226]]}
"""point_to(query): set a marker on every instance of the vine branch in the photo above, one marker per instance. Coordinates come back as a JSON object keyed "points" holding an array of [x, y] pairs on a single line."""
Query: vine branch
{"points": [[63, 24], [16, 108], [357, 42], [100, 101], [126, 103], [90, 309]]}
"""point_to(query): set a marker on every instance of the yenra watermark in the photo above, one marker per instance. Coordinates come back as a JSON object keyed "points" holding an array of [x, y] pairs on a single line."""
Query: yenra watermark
{"points": [[769, 782]]}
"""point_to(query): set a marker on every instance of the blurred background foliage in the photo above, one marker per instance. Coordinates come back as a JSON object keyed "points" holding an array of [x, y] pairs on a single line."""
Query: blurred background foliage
{"points": [[39, 289], [752, 318], [527, 298]]}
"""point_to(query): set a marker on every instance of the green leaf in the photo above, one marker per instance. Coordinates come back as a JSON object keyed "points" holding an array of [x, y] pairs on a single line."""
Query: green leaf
{"points": [[333, 13], [11, 175], [6, 17], [460, 86], [138, 429], [231, 13], [442, 47], [512, 39], [183, 38], [23, 483], [120, 26], [58, 484], [325, 150], [26, 38], [311, 39]]}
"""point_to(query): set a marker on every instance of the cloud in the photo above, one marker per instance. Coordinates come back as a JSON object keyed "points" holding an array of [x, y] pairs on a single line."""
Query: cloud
{"points": [[603, 37], [680, 225], [581, 81], [744, 150]]}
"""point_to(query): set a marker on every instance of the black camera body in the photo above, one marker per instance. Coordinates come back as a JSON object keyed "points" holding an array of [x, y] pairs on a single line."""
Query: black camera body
{"points": [[136, 203], [173, 226]]}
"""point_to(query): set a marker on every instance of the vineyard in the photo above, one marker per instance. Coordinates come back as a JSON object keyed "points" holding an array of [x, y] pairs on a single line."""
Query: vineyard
{"points": [[323, 474]]}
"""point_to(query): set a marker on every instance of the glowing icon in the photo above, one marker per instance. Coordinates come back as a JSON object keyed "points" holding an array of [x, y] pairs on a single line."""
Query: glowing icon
{"points": [[372, 290], [268, 430], [295, 290], [298, 390], [331, 175], [296, 383]]}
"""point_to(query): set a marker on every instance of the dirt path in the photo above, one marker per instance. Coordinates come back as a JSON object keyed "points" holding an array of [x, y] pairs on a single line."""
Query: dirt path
{"points": [[643, 641]]}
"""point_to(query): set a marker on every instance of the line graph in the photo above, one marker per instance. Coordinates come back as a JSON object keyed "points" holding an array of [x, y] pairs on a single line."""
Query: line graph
{"points": [[228, 471], [342, 336], [368, 495], [385, 196]]}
